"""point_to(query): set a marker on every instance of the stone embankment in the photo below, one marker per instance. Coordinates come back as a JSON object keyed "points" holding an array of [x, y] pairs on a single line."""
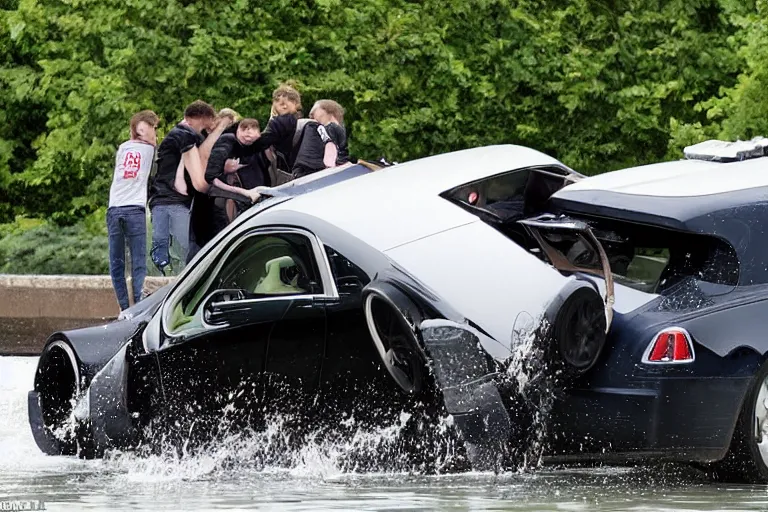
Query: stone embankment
{"points": [[33, 307]]}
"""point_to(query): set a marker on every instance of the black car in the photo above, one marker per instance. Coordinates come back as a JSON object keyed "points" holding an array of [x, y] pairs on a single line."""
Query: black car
{"points": [[614, 318]]}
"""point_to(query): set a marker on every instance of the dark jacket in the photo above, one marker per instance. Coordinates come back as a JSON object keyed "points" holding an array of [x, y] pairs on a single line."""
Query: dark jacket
{"points": [[254, 174], [178, 141]]}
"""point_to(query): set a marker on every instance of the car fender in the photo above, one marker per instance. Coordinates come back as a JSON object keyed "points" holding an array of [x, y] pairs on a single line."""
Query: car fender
{"points": [[110, 421], [717, 331], [392, 293], [87, 351], [93, 347], [571, 285]]}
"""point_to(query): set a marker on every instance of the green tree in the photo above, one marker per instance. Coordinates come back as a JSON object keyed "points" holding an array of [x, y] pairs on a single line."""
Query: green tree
{"points": [[600, 84], [739, 110]]}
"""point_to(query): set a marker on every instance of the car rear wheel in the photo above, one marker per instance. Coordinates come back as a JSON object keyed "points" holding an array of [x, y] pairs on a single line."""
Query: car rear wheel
{"points": [[747, 457], [579, 330]]}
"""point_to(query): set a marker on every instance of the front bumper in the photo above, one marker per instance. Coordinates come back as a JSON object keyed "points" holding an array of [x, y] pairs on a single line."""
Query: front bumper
{"points": [[44, 438]]}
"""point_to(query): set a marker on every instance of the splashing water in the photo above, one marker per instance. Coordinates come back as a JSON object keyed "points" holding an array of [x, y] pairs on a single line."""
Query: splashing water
{"points": [[319, 453], [315, 476], [531, 382], [411, 442]]}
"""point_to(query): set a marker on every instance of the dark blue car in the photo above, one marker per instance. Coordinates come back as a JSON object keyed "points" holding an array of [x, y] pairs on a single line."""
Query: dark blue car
{"points": [[683, 373]]}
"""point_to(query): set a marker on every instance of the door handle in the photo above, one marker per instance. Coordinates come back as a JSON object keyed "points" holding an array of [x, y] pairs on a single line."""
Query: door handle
{"points": [[324, 299]]}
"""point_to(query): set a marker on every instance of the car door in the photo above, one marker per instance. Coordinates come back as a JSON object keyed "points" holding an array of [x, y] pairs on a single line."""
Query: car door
{"points": [[353, 376], [350, 352], [258, 311], [571, 246]]}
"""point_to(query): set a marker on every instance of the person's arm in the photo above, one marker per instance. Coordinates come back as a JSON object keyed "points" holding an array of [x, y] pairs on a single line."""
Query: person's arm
{"points": [[207, 146], [331, 151], [277, 129], [218, 158], [232, 165], [251, 194], [329, 157], [191, 160]]}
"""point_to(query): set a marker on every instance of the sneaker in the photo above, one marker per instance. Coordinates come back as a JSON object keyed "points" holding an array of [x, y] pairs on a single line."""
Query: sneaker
{"points": [[161, 267], [125, 315]]}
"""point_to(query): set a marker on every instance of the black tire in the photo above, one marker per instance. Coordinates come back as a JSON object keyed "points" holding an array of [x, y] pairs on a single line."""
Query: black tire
{"points": [[743, 463], [579, 331], [394, 335], [58, 382]]}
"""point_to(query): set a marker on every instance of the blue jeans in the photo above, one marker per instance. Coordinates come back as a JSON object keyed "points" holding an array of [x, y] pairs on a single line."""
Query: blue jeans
{"points": [[127, 224], [169, 220]]}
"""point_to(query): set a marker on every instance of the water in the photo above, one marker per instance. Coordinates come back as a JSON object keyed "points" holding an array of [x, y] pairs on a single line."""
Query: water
{"points": [[224, 478]]}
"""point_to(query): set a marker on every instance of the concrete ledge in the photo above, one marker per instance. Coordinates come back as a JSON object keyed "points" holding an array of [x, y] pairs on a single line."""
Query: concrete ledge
{"points": [[33, 307]]}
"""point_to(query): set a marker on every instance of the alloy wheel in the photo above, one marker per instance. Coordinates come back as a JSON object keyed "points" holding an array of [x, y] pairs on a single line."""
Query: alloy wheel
{"points": [[395, 343]]}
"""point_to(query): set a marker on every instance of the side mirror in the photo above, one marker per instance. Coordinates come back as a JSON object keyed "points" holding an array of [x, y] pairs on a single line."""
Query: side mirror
{"points": [[212, 309]]}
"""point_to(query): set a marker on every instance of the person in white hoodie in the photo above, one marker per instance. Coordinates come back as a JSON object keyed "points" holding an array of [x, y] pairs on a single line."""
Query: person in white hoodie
{"points": [[126, 215]]}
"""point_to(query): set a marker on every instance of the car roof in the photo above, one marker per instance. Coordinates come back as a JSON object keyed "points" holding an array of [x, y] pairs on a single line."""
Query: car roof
{"points": [[680, 178], [674, 195], [400, 204]]}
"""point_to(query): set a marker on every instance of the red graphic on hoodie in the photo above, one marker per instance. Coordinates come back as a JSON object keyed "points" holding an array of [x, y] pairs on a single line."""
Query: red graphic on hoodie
{"points": [[131, 165]]}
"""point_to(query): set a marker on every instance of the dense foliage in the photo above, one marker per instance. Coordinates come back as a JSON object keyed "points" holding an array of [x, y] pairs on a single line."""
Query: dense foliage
{"points": [[599, 84], [28, 247]]}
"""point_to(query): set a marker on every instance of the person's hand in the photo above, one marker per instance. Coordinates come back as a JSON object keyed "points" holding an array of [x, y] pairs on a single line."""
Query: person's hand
{"points": [[254, 194], [232, 165], [224, 122]]}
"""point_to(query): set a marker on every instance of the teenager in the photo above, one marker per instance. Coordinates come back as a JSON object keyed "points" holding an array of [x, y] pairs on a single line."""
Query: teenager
{"points": [[225, 162], [202, 219], [126, 214], [331, 115], [180, 159], [323, 143], [278, 138]]}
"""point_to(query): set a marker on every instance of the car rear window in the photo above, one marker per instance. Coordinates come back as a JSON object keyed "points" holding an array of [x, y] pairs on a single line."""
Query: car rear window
{"points": [[512, 195], [657, 260], [636, 266], [642, 269]]}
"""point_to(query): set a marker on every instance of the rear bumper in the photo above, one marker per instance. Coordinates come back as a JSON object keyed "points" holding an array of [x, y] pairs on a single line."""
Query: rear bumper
{"points": [[672, 418]]}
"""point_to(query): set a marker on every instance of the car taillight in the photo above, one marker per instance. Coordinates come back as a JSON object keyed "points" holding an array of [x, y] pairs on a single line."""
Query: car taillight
{"points": [[671, 345]]}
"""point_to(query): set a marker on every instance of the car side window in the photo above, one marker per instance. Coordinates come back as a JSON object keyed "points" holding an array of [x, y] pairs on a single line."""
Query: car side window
{"points": [[269, 265], [345, 273], [260, 266]]}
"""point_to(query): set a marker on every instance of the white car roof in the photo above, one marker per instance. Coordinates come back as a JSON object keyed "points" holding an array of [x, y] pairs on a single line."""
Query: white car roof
{"points": [[400, 204], [681, 178]]}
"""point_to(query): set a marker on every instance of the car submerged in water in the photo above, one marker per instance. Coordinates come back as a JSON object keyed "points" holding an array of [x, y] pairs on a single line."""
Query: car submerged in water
{"points": [[619, 316]]}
